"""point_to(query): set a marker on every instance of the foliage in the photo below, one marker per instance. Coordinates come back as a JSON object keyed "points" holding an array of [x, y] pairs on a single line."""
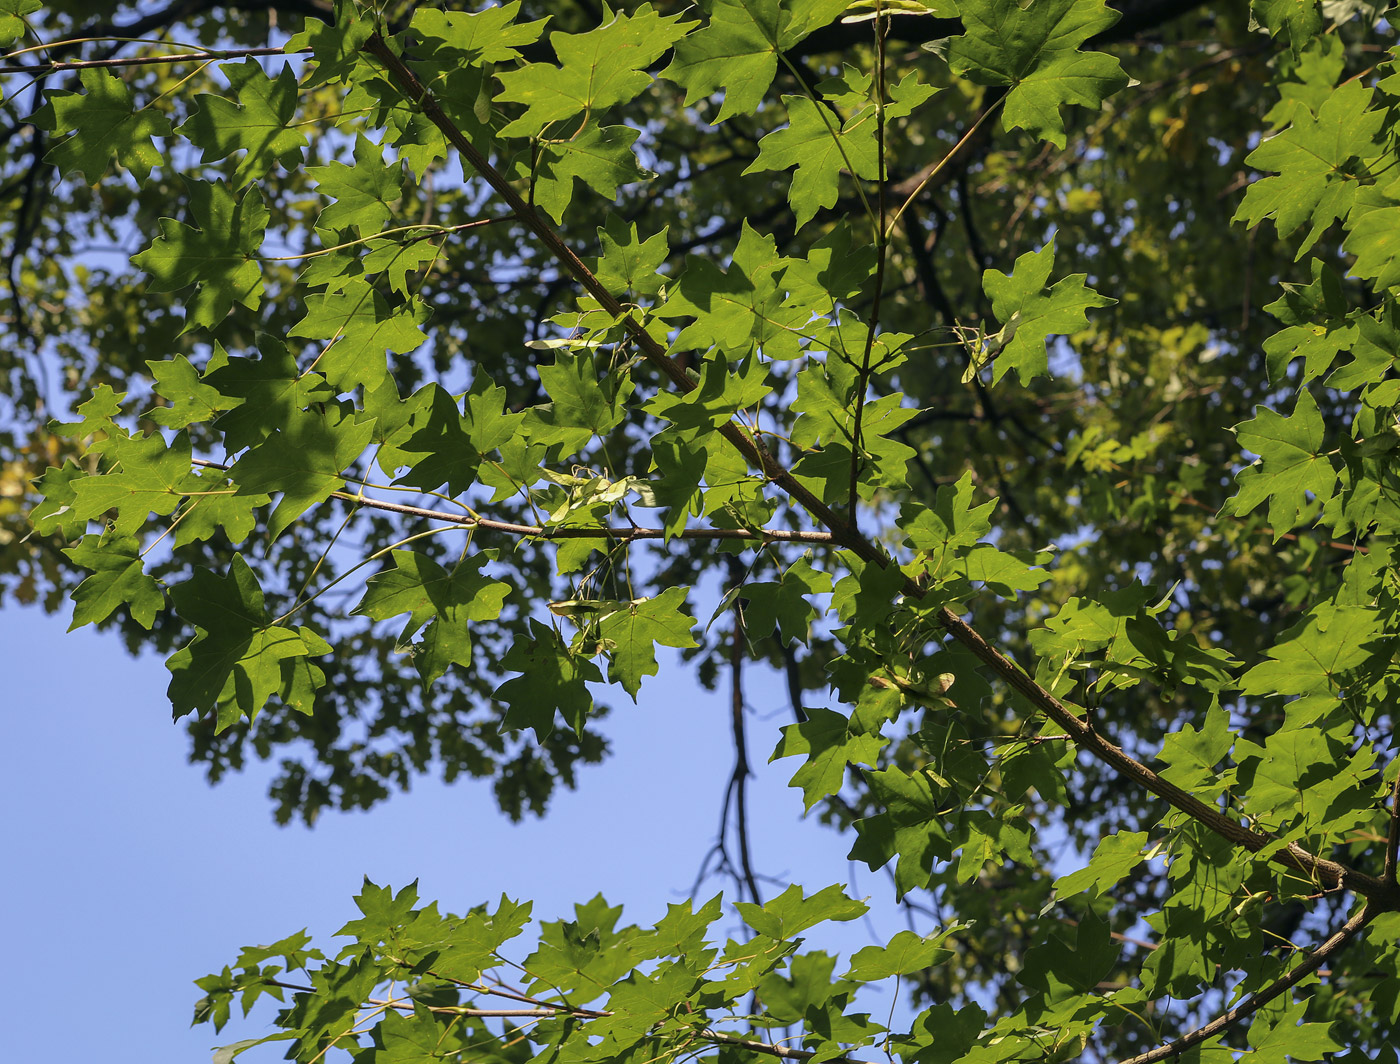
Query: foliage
{"points": [[510, 326]]}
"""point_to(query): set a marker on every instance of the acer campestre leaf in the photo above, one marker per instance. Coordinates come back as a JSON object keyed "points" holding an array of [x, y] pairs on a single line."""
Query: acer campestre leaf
{"points": [[217, 255], [1032, 310], [1033, 50], [106, 125], [738, 49]]}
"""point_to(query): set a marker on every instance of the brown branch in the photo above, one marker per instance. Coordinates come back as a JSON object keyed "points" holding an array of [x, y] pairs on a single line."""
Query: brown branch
{"points": [[739, 778], [629, 532], [143, 60], [1330, 873], [1309, 964], [738, 1041]]}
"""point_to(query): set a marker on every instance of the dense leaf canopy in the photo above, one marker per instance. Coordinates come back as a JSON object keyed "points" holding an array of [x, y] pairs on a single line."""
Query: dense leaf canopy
{"points": [[1019, 379]]}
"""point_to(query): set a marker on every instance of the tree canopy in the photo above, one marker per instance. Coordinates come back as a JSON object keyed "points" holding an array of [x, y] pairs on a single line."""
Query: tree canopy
{"points": [[1019, 380]]}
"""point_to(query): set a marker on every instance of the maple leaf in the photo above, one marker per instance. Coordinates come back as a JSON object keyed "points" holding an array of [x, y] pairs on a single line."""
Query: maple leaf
{"points": [[192, 400], [1313, 654], [601, 157], [259, 124], [1297, 20], [152, 478], [336, 46], [106, 125], [820, 150], [447, 602], [119, 579], [1031, 312], [737, 309], [270, 391], [239, 658], [598, 69], [304, 459], [1314, 153], [631, 635], [1291, 464], [362, 326], [12, 17], [217, 255], [490, 35], [829, 743], [362, 191], [1033, 50], [629, 264], [738, 49], [553, 679], [791, 913]]}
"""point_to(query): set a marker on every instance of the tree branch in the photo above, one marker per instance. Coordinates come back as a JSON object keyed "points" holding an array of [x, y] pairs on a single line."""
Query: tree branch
{"points": [[1314, 960], [1330, 873]]}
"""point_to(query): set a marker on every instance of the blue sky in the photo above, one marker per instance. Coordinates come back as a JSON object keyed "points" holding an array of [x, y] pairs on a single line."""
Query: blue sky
{"points": [[130, 876]]}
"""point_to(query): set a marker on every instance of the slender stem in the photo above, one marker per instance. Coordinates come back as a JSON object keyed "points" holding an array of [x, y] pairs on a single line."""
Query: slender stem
{"points": [[629, 532], [881, 243], [740, 778], [1392, 842], [1314, 960], [142, 60], [938, 167]]}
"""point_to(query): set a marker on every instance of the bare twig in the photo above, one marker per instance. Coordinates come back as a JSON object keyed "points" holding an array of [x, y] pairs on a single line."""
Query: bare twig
{"points": [[739, 779]]}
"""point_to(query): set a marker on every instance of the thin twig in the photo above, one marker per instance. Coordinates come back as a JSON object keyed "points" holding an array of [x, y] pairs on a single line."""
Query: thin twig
{"points": [[143, 60], [1392, 842], [629, 532], [740, 778]]}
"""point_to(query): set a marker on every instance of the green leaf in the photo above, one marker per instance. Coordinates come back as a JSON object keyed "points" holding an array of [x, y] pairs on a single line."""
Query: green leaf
{"points": [[906, 952], [362, 191], [1297, 20], [790, 913], [272, 390], [1033, 50], [261, 123], [446, 602], [237, 660], [1316, 653], [192, 400], [1314, 185], [630, 636], [12, 17], [1114, 857], [1031, 312], [119, 579], [738, 49], [149, 478], [1374, 242], [629, 264], [829, 743], [362, 326], [106, 125], [218, 254], [820, 148], [490, 35], [598, 69], [1290, 467], [336, 46], [303, 460], [553, 678], [741, 308], [601, 157]]}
